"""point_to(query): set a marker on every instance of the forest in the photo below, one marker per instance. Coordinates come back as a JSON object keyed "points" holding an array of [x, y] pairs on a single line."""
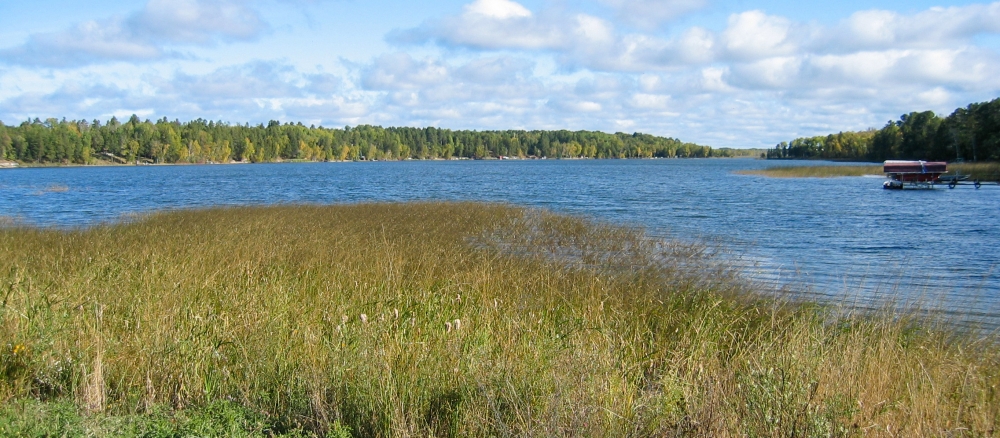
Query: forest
{"points": [[968, 134], [199, 141]]}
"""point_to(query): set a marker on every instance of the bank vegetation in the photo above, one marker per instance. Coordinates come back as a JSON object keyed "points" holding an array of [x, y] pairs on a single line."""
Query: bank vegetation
{"points": [[448, 319]]}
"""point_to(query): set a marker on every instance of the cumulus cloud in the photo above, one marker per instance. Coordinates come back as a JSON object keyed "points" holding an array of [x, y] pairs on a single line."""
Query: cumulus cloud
{"points": [[498, 64], [497, 9], [262, 80], [935, 27], [72, 99], [755, 35], [252, 92], [431, 91], [871, 53], [400, 71], [758, 69], [87, 42], [651, 13], [143, 36], [196, 21], [493, 24]]}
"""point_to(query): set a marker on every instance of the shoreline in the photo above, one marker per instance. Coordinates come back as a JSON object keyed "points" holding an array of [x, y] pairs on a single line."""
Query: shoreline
{"points": [[21, 165]]}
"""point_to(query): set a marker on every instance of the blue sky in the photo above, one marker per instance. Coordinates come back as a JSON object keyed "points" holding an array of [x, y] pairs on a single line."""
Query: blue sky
{"points": [[735, 73]]}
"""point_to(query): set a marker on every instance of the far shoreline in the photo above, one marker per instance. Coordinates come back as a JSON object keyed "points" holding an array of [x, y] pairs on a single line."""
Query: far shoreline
{"points": [[105, 163]]}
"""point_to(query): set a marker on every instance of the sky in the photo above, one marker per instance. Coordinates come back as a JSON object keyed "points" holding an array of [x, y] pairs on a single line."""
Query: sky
{"points": [[724, 73]]}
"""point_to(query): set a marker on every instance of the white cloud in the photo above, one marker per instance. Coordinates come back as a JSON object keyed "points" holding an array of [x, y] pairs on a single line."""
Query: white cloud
{"points": [[935, 27], [775, 73], [497, 9], [83, 44], [495, 70], [143, 36], [874, 60], [651, 101], [496, 64], [651, 13], [489, 24], [594, 30], [261, 80], [399, 71], [197, 21], [755, 35]]}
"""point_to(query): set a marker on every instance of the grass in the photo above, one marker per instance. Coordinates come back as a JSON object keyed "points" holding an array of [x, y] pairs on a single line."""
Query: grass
{"points": [[815, 171], [446, 319], [980, 171]]}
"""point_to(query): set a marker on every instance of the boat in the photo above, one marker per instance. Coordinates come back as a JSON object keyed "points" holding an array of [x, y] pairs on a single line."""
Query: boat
{"points": [[908, 174], [924, 175]]}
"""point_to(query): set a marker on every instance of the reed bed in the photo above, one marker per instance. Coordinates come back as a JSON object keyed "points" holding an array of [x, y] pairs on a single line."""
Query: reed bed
{"points": [[447, 319], [815, 171], [986, 171]]}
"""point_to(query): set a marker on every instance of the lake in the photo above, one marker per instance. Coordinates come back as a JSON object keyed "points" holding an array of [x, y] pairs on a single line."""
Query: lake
{"points": [[839, 239]]}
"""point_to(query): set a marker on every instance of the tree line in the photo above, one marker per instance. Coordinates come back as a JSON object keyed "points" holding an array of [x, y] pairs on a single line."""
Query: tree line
{"points": [[201, 141], [968, 134]]}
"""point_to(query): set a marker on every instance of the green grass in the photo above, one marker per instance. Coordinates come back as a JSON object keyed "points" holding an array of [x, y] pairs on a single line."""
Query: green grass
{"points": [[446, 319]]}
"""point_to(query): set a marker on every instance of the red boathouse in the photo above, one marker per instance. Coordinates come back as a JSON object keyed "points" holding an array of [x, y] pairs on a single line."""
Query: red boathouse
{"points": [[915, 174]]}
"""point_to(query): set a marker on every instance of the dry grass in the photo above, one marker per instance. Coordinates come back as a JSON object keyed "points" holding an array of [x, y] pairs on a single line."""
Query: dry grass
{"points": [[815, 171], [458, 319], [980, 171]]}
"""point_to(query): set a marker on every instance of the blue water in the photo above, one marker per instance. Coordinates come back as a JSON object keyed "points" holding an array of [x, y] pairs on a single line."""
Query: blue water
{"points": [[842, 239]]}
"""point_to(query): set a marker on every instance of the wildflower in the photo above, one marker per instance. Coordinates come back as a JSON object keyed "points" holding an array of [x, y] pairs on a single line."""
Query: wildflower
{"points": [[19, 349], [364, 318]]}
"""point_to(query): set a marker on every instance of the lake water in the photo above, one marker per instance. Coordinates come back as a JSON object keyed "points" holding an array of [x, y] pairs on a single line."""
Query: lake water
{"points": [[844, 239]]}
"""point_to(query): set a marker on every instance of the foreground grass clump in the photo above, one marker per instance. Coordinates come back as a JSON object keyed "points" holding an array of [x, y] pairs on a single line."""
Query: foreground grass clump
{"points": [[436, 319], [815, 171]]}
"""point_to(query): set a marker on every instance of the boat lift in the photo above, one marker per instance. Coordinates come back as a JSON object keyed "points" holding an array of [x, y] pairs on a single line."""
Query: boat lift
{"points": [[905, 174]]}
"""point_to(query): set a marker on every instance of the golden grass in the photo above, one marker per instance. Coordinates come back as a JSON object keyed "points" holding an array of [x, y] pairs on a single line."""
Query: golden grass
{"points": [[980, 171], [815, 171], [459, 319]]}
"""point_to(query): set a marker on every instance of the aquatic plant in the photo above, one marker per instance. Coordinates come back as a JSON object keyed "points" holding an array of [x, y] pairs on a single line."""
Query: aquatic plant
{"points": [[239, 321]]}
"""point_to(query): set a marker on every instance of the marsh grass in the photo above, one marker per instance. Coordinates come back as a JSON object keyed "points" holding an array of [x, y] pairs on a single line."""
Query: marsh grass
{"points": [[980, 171], [248, 321], [815, 171]]}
